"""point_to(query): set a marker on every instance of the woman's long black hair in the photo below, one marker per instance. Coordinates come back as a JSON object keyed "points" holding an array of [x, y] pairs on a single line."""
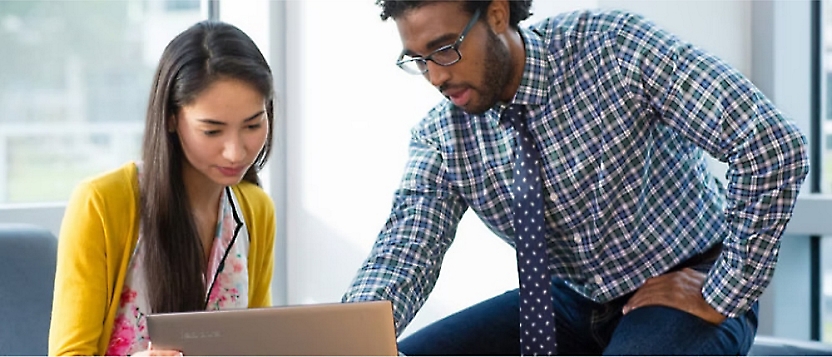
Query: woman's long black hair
{"points": [[173, 255]]}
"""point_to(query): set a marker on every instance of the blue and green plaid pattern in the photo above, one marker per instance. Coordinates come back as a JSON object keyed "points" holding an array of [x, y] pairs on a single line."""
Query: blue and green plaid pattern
{"points": [[622, 111]]}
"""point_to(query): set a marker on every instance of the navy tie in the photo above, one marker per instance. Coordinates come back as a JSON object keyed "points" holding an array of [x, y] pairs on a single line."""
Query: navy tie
{"points": [[537, 318]]}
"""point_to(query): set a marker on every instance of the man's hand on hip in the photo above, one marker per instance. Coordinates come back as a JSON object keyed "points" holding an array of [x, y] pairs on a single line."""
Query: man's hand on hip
{"points": [[680, 290]]}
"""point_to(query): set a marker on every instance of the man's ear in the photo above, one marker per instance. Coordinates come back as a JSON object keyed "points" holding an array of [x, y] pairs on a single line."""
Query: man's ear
{"points": [[498, 15]]}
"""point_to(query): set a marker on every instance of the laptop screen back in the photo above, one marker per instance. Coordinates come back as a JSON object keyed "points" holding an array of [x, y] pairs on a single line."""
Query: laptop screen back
{"points": [[360, 328]]}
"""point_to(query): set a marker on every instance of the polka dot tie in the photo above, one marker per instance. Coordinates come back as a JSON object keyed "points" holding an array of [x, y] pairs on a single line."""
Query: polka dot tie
{"points": [[537, 318]]}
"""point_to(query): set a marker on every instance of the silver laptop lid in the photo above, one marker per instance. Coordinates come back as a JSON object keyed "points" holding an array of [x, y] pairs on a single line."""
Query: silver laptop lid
{"points": [[359, 328]]}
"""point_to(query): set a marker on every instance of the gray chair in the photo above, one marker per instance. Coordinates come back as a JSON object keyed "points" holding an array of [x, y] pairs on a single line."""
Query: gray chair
{"points": [[773, 346], [27, 278]]}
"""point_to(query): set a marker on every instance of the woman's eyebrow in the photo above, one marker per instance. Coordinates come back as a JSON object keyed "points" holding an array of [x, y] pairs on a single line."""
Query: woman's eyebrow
{"points": [[217, 122]]}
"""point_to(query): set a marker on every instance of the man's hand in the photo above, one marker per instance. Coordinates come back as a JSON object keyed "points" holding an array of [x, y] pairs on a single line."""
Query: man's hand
{"points": [[680, 290]]}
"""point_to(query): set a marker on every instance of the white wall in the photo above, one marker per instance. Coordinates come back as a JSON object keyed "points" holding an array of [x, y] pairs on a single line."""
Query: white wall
{"points": [[348, 131], [722, 27]]}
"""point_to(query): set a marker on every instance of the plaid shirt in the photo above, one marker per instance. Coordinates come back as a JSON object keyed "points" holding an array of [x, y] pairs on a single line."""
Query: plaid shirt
{"points": [[622, 112]]}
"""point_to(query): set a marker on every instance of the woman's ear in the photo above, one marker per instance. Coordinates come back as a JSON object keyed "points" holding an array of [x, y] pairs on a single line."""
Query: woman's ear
{"points": [[498, 14]]}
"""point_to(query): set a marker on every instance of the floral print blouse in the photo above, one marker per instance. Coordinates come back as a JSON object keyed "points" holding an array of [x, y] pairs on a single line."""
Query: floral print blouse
{"points": [[227, 285]]}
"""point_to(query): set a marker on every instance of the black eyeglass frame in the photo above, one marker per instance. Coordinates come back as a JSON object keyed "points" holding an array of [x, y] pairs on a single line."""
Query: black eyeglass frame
{"points": [[422, 62]]}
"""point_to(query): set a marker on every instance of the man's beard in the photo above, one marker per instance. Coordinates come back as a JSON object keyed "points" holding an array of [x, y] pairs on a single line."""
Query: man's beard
{"points": [[496, 74]]}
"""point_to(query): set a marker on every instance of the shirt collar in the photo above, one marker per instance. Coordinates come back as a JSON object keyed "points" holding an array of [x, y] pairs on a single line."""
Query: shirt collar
{"points": [[537, 72], [534, 88]]}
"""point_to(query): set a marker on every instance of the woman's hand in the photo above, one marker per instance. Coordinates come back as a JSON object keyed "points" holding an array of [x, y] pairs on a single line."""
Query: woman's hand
{"points": [[150, 351]]}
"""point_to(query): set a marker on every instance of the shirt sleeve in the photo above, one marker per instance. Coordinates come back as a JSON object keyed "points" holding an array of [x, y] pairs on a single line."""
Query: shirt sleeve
{"points": [[719, 110], [263, 264], [80, 295], [405, 260]]}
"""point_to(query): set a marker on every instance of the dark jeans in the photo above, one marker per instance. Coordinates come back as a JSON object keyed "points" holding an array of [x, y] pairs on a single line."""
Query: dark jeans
{"points": [[584, 327]]}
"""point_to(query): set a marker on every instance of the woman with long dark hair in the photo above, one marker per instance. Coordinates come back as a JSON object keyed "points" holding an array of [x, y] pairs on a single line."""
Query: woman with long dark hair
{"points": [[187, 228]]}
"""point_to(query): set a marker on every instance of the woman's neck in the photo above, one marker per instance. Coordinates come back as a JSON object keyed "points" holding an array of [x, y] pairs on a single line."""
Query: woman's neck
{"points": [[204, 199], [203, 194]]}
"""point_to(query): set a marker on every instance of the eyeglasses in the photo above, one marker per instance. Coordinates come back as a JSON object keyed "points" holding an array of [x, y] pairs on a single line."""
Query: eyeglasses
{"points": [[444, 56]]}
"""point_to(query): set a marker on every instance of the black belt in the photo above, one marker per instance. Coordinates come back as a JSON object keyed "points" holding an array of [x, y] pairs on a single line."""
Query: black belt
{"points": [[708, 256]]}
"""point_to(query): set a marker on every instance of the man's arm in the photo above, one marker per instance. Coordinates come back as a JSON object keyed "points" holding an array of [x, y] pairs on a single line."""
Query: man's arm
{"points": [[719, 110], [404, 263]]}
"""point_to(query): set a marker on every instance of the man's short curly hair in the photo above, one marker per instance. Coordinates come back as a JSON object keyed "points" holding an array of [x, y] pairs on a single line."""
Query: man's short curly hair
{"points": [[520, 9]]}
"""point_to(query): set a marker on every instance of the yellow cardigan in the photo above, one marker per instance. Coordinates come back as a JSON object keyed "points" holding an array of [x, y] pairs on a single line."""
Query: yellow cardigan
{"points": [[98, 234]]}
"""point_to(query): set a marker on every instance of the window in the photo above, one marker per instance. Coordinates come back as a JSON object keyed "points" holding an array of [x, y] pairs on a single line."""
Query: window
{"points": [[184, 5], [74, 82], [824, 41]]}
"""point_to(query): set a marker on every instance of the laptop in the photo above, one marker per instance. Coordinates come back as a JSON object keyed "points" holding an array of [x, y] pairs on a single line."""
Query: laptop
{"points": [[350, 329]]}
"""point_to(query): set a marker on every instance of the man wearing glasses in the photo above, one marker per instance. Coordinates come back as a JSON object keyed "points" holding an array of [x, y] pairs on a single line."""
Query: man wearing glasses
{"points": [[580, 141]]}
